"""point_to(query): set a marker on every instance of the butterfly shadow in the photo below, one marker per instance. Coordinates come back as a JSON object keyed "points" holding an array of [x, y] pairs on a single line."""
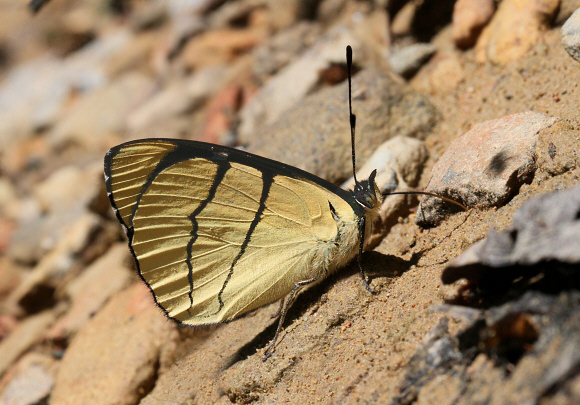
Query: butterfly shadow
{"points": [[380, 265], [376, 265]]}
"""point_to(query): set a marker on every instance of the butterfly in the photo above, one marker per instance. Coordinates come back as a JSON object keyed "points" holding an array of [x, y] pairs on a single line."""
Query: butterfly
{"points": [[217, 232]]}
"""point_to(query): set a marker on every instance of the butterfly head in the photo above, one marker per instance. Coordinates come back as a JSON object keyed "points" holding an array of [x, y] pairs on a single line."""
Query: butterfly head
{"points": [[367, 193]]}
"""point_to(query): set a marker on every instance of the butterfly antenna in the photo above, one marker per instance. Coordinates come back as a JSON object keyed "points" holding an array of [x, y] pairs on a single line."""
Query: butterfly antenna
{"points": [[352, 117], [449, 200], [352, 120]]}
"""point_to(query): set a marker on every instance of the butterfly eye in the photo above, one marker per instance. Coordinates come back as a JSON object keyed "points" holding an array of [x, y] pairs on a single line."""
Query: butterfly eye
{"points": [[371, 200], [364, 193]]}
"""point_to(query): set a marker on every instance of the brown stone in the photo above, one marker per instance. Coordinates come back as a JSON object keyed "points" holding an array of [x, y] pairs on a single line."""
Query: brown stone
{"points": [[114, 358], [224, 45], [101, 112], [26, 334], [514, 29], [74, 239], [89, 291], [443, 73], [469, 19], [486, 166]]}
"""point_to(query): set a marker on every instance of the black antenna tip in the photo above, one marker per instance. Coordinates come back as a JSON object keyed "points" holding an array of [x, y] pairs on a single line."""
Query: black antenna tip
{"points": [[352, 117]]}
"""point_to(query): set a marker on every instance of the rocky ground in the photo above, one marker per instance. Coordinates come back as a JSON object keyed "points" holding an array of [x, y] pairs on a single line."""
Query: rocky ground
{"points": [[476, 100]]}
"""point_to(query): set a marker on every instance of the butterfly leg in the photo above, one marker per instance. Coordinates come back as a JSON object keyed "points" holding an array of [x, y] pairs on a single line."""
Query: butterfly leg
{"points": [[283, 310], [279, 311], [359, 256]]}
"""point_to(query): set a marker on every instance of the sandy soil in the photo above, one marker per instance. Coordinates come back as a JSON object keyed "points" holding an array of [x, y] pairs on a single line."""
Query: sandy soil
{"points": [[340, 344]]}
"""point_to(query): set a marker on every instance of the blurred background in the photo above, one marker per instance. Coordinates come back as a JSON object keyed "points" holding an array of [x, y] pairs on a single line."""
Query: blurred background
{"points": [[78, 77]]}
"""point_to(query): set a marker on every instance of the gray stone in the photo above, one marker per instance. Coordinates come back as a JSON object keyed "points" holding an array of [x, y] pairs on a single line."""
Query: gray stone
{"points": [[101, 112], [151, 15], [8, 197], [56, 263], [525, 349], [23, 91], [399, 163], [401, 154], [571, 35], [439, 352], [29, 101], [330, 10], [315, 135], [282, 13], [545, 228], [295, 81], [69, 186], [60, 200], [29, 387], [191, 7], [407, 61], [283, 48], [567, 8], [38, 235], [224, 15], [26, 334], [485, 166], [178, 98], [11, 275], [536, 338]]}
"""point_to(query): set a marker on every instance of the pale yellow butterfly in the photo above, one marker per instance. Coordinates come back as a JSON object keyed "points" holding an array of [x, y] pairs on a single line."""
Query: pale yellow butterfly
{"points": [[217, 232]]}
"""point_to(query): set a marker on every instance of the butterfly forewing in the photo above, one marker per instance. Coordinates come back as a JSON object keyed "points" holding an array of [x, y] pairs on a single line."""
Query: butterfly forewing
{"points": [[133, 164], [215, 235]]}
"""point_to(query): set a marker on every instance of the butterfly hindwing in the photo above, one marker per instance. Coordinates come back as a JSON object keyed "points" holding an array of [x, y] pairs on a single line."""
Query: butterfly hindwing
{"points": [[217, 232]]}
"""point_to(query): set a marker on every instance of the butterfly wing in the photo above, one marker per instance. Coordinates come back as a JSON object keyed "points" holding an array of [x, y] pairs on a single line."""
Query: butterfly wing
{"points": [[217, 232]]}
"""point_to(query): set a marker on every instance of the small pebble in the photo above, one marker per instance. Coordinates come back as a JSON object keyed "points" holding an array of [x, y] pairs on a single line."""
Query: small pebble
{"points": [[571, 35]]}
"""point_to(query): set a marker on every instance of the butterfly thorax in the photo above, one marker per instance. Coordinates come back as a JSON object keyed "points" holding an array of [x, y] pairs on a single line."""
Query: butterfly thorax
{"points": [[367, 194], [340, 251]]}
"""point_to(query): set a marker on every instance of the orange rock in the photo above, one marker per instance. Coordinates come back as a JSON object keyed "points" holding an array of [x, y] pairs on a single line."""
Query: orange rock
{"points": [[115, 354], [443, 73], [469, 19], [23, 336], [25, 153], [220, 113], [91, 289], [7, 324], [7, 228], [403, 21], [514, 29], [224, 45]]}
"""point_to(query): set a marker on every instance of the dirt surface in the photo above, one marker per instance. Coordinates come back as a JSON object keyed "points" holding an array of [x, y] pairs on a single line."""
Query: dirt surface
{"points": [[340, 344]]}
